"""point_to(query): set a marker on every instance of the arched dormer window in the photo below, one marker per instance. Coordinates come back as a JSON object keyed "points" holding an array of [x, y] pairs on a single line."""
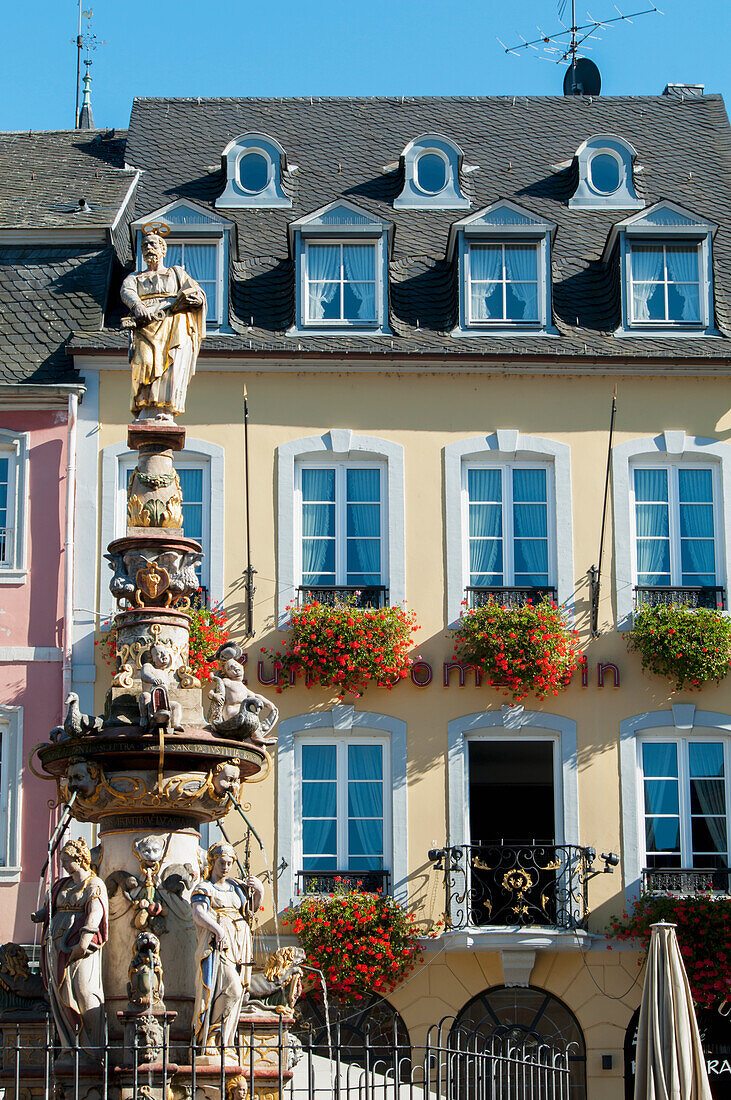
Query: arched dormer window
{"points": [[606, 177], [431, 175], [254, 164]]}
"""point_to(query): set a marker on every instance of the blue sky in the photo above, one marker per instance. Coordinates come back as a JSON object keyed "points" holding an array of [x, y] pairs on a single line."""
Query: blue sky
{"points": [[330, 47]]}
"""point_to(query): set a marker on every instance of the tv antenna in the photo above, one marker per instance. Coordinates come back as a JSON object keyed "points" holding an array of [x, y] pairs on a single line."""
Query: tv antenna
{"points": [[86, 42], [562, 47]]}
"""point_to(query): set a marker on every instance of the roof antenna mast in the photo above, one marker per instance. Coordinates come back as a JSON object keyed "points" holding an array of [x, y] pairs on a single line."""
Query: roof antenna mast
{"points": [[564, 46], [85, 41]]}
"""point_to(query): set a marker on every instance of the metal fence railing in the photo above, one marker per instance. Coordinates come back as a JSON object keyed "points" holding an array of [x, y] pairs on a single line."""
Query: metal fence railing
{"points": [[452, 1064]]}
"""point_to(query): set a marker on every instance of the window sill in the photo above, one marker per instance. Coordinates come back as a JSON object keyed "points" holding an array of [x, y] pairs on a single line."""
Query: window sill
{"points": [[512, 937], [13, 576], [339, 330], [9, 875], [666, 333], [516, 330]]}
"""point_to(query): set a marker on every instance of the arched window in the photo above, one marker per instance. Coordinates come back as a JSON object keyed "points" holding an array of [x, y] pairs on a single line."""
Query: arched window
{"points": [[254, 164], [606, 175], [370, 1023], [527, 1013], [431, 166]]}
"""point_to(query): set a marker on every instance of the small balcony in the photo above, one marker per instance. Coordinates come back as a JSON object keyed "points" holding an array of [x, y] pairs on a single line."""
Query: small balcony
{"points": [[507, 597], [686, 881], [331, 882], [516, 884], [701, 595], [333, 595]]}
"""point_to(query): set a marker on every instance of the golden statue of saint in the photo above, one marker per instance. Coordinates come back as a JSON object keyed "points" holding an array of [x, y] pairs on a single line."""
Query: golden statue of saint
{"points": [[167, 325]]}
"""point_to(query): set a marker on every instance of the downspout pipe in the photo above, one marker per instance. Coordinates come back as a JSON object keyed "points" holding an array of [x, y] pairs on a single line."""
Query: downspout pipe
{"points": [[68, 545]]}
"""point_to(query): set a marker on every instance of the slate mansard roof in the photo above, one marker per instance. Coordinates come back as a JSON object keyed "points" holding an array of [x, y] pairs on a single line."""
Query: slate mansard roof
{"points": [[350, 148], [55, 261]]}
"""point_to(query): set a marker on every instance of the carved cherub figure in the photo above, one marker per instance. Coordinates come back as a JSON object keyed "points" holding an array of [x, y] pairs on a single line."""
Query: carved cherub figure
{"points": [[235, 708], [156, 706], [237, 1088]]}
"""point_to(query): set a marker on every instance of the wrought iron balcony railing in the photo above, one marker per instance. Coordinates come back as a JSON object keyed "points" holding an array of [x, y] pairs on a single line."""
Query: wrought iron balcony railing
{"points": [[698, 595], [507, 597], [687, 880], [363, 595], [509, 884], [330, 882]]}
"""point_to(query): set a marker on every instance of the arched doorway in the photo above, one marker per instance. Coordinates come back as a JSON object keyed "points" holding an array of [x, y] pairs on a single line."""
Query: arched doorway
{"points": [[524, 1012]]}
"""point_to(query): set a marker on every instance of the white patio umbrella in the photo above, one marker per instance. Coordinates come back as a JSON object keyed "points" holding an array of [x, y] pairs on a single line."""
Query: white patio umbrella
{"points": [[670, 1064]]}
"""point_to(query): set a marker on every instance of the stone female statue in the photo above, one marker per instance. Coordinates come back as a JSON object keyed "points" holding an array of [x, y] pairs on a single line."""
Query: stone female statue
{"points": [[167, 325], [222, 911], [74, 931]]}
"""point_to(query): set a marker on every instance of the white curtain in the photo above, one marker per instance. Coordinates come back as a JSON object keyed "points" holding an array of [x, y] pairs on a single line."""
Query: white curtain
{"points": [[683, 275], [323, 273], [646, 265], [359, 273], [521, 272], [486, 268]]}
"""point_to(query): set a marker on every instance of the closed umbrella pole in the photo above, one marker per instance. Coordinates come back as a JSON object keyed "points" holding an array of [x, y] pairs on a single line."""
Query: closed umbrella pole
{"points": [[670, 1064]]}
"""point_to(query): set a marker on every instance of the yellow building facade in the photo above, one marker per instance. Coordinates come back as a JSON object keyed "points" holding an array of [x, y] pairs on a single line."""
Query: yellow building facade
{"points": [[573, 756]]}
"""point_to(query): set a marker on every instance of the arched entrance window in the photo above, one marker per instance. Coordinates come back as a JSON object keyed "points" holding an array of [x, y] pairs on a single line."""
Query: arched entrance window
{"points": [[529, 1012], [370, 1023]]}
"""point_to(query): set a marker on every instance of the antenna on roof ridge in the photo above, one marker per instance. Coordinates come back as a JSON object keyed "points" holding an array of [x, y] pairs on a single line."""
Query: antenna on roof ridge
{"points": [[87, 41], [582, 76]]}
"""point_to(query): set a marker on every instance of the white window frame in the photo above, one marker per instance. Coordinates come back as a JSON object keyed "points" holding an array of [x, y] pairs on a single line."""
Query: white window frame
{"points": [[667, 322], [338, 445], [432, 151], [669, 446], [265, 155], [343, 740], [605, 151], [11, 802], [341, 541], [504, 322], [512, 723], [369, 323], [15, 446], [340, 721], [673, 466], [507, 446], [117, 459], [682, 740], [681, 720], [506, 469]]}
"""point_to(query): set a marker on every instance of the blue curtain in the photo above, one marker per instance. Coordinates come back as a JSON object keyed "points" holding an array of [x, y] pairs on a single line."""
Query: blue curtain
{"points": [[318, 526], [484, 485], [363, 485], [319, 807], [530, 527], [660, 759], [365, 807], [697, 546], [708, 797], [200, 262], [363, 526], [653, 529]]}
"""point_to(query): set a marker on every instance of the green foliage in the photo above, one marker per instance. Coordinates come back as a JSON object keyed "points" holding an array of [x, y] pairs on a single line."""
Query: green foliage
{"points": [[704, 936], [524, 650], [687, 646]]}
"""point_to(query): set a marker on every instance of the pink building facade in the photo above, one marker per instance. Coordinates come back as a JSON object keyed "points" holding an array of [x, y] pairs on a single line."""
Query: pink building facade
{"points": [[34, 640]]}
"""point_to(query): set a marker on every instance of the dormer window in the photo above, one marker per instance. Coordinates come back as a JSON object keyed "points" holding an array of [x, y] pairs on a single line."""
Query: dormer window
{"points": [[254, 165], [665, 257], [431, 165], [197, 240], [504, 270], [606, 175], [341, 254]]}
